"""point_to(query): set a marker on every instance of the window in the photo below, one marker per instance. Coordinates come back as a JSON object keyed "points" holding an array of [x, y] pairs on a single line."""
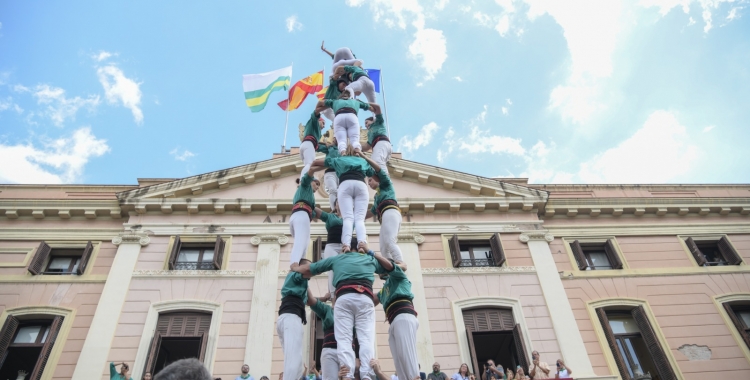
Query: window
{"points": [[493, 334], [196, 256], [596, 256], [634, 344], [26, 345], [713, 252], [60, 261], [477, 253], [178, 336], [318, 248], [740, 316]]}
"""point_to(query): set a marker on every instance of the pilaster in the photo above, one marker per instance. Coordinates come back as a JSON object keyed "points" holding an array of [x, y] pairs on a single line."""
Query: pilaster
{"points": [[102, 329], [258, 353], [564, 323], [409, 244]]}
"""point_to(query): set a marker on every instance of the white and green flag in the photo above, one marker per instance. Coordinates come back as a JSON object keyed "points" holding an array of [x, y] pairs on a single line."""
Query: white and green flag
{"points": [[259, 86]]}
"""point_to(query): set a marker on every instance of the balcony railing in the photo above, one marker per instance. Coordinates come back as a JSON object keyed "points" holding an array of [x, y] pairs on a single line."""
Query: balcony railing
{"points": [[194, 266]]}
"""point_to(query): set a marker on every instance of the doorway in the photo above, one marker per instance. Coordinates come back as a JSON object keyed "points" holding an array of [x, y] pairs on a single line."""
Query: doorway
{"points": [[173, 349], [492, 333], [496, 345]]}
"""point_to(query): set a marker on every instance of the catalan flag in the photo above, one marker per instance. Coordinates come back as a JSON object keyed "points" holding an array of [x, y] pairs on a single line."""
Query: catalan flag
{"points": [[298, 92], [259, 86]]}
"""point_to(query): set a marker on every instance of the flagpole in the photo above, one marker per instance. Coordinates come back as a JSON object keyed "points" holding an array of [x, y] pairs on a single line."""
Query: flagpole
{"points": [[286, 123], [385, 104]]}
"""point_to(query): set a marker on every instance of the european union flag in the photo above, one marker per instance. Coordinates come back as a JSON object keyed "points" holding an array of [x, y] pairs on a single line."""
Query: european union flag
{"points": [[374, 75]]}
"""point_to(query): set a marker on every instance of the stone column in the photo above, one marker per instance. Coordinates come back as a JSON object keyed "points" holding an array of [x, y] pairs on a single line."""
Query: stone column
{"points": [[410, 249], [102, 330], [258, 352], [564, 323]]}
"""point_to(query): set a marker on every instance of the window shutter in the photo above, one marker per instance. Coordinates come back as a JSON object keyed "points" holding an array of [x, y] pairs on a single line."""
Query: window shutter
{"points": [[85, 258], [6, 336], [152, 353], [472, 351], [455, 249], [204, 324], [729, 253], [54, 329], [498, 255], [575, 246], [313, 323], [175, 251], [738, 324], [218, 253], [654, 348], [699, 258], [614, 259], [204, 344], [613, 344], [317, 249], [506, 316], [523, 360], [37, 263]]}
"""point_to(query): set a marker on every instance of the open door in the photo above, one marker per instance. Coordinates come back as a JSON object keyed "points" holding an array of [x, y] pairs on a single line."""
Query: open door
{"points": [[153, 352], [204, 343], [473, 352]]}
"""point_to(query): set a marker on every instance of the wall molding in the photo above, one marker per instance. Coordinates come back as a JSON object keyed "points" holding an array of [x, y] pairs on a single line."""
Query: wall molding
{"points": [[732, 297], [161, 273]]}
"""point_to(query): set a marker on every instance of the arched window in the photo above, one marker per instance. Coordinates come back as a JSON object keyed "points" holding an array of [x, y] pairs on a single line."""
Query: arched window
{"points": [[492, 333], [26, 344], [178, 335], [739, 313]]}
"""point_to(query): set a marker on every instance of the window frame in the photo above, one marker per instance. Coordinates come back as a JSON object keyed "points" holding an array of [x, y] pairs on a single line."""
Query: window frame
{"points": [[45, 328], [726, 249], [739, 324], [575, 247], [8, 332], [221, 244], [74, 263], [494, 241], [39, 263]]}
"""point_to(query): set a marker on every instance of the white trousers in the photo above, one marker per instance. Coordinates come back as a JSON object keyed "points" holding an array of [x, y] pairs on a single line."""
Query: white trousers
{"points": [[307, 154], [290, 331], [365, 86], [328, 113], [353, 198], [299, 226], [346, 126], [331, 182], [381, 153], [332, 249], [355, 311], [402, 338], [329, 364], [389, 227]]}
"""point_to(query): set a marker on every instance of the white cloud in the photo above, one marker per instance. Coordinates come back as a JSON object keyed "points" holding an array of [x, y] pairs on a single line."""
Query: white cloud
{"points": [[483, 18], [481, 141], [58, 161], [510, 102], [733, 14], [458, 79], [184, 156], [708, 7], [102, 55], [429, 48], [423, 138], [709, 128], [503, 25], [119, 88], [8, 103], [505, 110], [691, 21], [292, 24], [59, 107]]}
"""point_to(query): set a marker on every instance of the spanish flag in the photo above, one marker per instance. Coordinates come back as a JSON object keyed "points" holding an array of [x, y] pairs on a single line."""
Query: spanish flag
{"points": [[322, 93], [299, 91], [259, 86]]}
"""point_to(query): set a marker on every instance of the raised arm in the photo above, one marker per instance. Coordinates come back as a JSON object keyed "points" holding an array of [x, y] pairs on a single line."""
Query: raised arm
{"points": [[323, 47], [375, 108], [372, 163], [304, 270], [385, 263]]}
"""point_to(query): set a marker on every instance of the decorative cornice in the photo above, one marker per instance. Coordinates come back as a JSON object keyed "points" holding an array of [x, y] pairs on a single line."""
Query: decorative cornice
{"points": [[131, 237], [269, 239], [59, 209], [527, 236], [477, 270], [193, 273], [639, 207], [411, 238]]}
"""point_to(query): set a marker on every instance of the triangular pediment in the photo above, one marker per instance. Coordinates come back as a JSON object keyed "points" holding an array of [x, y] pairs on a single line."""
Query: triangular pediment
{"points": [[269, 185]]}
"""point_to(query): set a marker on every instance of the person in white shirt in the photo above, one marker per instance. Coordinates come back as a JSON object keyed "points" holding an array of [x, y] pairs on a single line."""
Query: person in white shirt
{"points": [[538, 369], [563, 372], [463, 373]]}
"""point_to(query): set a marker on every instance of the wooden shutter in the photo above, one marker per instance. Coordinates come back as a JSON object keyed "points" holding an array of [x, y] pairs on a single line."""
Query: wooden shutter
{"points": [[6, 336], [37, 263], [54, 329], [489, 320], [183, 324], [317, 249], [455, 249], [729, 253], [699, 258], [498, 255], [523, 360], [654, 348], [204, 344], [575, 246], [473, 351], [85, 258], [153, 353], [614, 259], [738, 324], [218, 253], [613, 344], [175, 251], [313, 323]]}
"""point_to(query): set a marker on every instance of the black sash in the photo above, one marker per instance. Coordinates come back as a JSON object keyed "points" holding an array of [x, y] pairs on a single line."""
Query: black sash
{"points": [[293, 305]]}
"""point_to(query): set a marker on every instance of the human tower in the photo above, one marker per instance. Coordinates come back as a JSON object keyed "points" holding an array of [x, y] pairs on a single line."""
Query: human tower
{"points": [[350, 262]]}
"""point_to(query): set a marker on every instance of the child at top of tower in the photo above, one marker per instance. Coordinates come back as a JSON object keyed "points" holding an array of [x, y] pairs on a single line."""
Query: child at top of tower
{"points": [[345, 123], [342, 56], [360, 81]]}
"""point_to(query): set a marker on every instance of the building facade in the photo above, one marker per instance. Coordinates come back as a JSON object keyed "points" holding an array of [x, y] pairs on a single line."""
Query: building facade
{"points": [[613, 279]]}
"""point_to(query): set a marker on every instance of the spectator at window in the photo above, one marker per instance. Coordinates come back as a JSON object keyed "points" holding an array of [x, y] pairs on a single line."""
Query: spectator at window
{"points": [[463, 373], [245, 373], [539, 369], [436, 374], [124, 373], [563, 372], [147, 376], [491, 371]]}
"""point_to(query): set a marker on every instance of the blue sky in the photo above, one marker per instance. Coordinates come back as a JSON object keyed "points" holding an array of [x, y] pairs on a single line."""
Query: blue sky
{"points": [[650, 91]]}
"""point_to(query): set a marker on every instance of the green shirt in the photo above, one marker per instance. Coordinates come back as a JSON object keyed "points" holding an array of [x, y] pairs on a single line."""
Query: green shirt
{"points": [[397, 286], [384, 192], [345, 164], [325, 313], [295, 285], [354, 104], [348, 266], [333, 90], [332, 220], [312, 128], [356, 72], [377, 128], [305, 191], [114, 375], [332, 151]]}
